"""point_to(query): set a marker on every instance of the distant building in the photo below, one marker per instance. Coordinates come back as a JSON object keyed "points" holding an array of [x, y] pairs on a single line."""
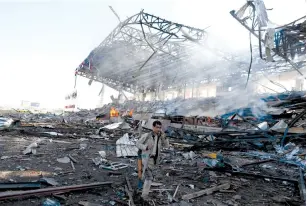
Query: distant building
{"points": [[29, 105], [70, 102], [35, 104]]}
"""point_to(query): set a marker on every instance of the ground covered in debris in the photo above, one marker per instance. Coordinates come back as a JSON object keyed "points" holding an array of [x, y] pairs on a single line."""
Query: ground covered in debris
{"points": [[181, 170], [253, 155]]}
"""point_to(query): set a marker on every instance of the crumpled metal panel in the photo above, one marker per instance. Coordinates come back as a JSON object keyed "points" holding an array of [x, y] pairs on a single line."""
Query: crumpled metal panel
{"points": [[5, 122]]}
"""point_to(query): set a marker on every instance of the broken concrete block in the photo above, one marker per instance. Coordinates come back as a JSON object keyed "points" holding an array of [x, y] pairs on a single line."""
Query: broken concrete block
{"points": [[50, 181], [64, 160], [29, 148], [237, 197], [103, 154]]}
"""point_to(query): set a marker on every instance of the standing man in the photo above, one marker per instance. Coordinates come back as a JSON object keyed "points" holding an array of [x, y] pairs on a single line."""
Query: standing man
{"points": [[150, 144]]}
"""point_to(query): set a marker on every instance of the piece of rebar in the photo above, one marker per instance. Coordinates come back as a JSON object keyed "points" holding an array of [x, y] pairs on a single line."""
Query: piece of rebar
{"points": [[174, 195], [72, 165], [115, 13]]}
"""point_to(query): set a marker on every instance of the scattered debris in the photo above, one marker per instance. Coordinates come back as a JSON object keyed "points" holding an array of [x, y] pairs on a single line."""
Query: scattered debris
{"points": [[5, 157], [114, 166], [189, 155], [49, 202], [262, 155]]}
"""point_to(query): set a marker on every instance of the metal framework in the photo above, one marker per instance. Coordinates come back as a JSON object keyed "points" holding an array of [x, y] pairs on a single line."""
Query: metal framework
{"points": [[290, 39], [136, 50], [148, 53]]}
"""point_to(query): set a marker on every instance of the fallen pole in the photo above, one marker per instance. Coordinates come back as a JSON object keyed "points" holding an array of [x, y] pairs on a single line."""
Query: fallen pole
{"points": [[257, 162], [253, 175], [50, 191]]}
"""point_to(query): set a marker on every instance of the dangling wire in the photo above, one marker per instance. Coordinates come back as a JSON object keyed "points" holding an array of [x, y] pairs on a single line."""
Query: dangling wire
{"points": [[251, 49]]}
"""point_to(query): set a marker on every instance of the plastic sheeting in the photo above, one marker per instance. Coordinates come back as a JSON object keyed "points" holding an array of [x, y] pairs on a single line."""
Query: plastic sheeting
{"points": [[249, 112], [290, 158], [262, 16], [280, 126], [126, 146], [119, 125], [269, 38]]}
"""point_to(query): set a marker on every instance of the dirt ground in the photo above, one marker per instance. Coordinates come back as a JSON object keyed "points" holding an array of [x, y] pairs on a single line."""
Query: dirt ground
{"points": [[16, 167]]}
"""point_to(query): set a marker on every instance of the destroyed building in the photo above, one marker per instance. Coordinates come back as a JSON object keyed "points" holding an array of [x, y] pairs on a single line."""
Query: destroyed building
{"points": [[230, 145]]}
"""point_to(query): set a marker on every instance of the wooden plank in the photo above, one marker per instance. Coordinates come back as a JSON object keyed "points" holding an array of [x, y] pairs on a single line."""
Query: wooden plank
{"points": [[50, 191], [206, 191], [128, 183], [72, 159]]}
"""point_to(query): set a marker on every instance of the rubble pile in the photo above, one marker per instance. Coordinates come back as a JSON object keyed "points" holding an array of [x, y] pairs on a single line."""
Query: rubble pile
{"points": [[200, 107], [246, 156]]}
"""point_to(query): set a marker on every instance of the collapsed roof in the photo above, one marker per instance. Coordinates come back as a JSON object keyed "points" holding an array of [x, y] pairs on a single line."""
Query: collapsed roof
{"points": [[147, 53], [140, 51], [288, 42]]}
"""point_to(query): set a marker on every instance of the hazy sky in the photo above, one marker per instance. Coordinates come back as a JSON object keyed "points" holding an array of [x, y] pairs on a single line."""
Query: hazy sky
{"points": [[42, 42]]}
